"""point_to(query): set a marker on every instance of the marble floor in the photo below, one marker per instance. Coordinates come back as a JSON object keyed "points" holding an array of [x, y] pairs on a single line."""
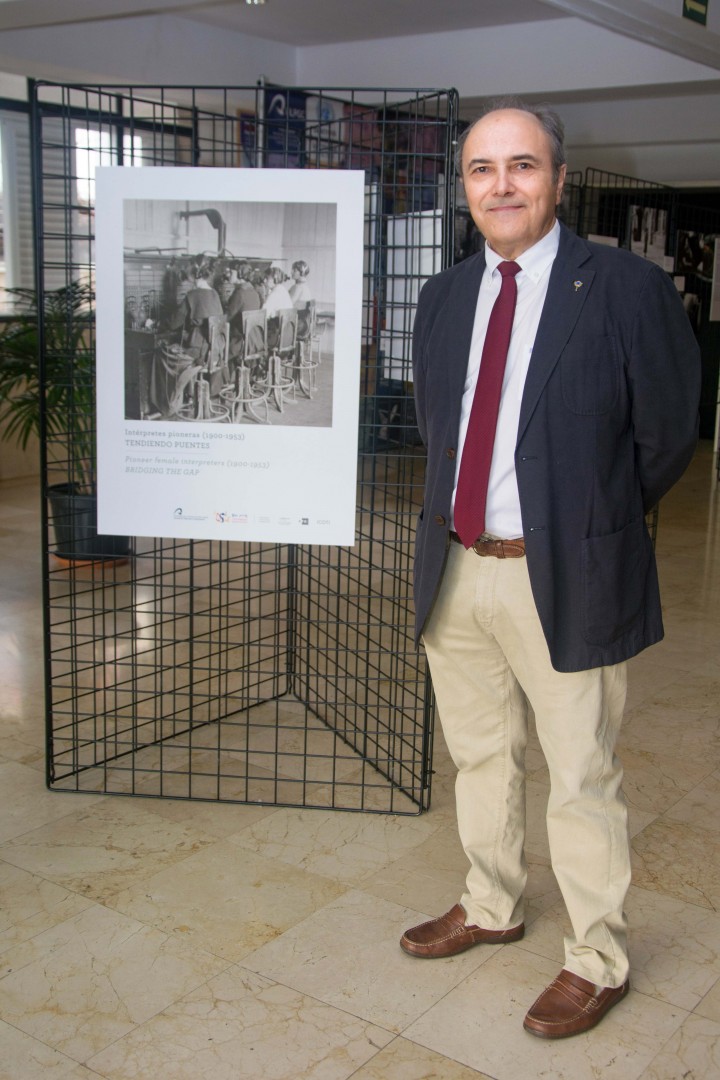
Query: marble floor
{"points": [[172, 940]]}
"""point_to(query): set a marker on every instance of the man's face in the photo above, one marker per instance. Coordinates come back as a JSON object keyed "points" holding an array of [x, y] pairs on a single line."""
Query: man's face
{"points": [[508, 178]]}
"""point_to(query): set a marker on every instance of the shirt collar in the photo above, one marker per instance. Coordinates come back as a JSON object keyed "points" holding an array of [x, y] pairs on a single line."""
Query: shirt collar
{"points": [[533, 262]]}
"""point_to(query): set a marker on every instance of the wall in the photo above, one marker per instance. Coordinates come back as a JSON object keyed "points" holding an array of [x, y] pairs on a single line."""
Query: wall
{"points": [[629, 107], [155, 50], [673, 140], [561, 55]]}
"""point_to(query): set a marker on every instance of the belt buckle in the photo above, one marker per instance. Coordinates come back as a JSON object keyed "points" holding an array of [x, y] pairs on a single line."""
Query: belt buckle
{"points": [[489, 547]]}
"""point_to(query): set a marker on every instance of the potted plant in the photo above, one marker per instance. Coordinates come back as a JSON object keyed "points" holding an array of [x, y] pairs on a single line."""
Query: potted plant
{"points": [[56, 402]]}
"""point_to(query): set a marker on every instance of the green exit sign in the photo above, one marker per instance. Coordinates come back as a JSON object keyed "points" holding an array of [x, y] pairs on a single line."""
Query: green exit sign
{"points": [[696, 10]]}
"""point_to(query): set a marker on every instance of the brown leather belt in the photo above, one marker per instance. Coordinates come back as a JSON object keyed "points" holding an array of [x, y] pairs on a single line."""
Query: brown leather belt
{"points": [[501, 549]]}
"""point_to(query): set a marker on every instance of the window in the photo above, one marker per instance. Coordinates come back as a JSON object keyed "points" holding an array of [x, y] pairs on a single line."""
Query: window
{"points": [[16, 233], [2, 225], [94, 148]]}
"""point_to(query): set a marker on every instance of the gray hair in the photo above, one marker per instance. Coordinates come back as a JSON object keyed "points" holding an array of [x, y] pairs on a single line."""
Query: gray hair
{"points": [[550, 121]]}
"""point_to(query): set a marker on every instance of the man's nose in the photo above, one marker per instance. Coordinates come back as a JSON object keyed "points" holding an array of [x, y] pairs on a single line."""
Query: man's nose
{"points": [[504, 182]]}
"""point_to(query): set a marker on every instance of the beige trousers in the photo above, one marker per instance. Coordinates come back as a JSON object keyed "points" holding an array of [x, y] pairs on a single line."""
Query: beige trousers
{"points": [[488, 658]]}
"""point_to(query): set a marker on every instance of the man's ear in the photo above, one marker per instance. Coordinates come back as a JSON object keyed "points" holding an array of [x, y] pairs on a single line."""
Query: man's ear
{"points": [[560, 184]]}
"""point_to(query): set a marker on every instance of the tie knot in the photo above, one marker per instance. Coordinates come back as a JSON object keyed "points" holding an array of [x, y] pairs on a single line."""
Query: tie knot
{"points": [[509, 269]]}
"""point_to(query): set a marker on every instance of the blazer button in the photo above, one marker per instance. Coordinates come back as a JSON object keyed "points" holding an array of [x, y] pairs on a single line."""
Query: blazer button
{"points": [[451, 453], [440, 520]]}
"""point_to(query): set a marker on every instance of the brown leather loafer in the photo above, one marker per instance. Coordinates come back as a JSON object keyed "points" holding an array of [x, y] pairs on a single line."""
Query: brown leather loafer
{"points": [[448, 936], [571, 1005]]}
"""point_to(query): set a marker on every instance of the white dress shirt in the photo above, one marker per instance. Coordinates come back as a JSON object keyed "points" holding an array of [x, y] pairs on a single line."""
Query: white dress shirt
{"points": [[502, 510]]}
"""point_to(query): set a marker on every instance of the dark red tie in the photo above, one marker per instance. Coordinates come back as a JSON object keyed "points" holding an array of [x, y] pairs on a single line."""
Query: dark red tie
{"points": [[471, 493]]}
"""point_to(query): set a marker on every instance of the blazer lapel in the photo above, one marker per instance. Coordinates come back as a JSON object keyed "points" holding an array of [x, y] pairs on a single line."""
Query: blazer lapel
{"points": [[568, 289]]}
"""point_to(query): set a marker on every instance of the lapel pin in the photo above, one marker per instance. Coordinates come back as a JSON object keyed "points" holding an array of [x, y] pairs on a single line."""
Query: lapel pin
{"points": [[577, 284]]}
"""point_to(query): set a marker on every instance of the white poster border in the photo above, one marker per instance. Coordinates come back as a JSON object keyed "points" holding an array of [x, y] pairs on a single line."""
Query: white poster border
{"points": [[274, 482]]}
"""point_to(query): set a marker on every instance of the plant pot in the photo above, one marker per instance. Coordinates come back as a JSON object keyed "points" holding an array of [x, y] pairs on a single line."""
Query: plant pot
{"points": [[74, 520]]}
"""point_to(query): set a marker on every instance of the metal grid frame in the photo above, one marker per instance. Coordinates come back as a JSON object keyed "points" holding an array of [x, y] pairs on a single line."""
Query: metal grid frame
{"points": [[700, 222], [607, 199], [249, 673], [606, 207], [571, 206]]}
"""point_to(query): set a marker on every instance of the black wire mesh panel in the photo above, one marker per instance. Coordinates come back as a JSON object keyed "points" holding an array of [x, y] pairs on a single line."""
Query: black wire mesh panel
{"points": [[570, 208], [636, 214], [697, 233], [227, 671]]}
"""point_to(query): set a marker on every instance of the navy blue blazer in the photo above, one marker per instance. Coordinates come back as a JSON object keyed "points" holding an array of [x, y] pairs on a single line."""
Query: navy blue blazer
{"points": [[608, 423]]}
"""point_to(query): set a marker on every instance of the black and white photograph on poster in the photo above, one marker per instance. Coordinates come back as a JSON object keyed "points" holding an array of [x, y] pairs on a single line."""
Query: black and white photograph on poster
{"points": [[694, 253], [224, 322], [648, 233], [693, 307], [228, 330], [714, 315]]}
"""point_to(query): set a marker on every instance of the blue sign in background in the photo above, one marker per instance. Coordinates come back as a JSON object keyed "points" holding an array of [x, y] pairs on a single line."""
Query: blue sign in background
{"points": [[285, 116]]}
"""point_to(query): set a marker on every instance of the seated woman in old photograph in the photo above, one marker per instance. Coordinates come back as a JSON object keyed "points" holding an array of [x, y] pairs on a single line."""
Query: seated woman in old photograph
{"points": [[192, 314], [300, 291], [278, 297]]}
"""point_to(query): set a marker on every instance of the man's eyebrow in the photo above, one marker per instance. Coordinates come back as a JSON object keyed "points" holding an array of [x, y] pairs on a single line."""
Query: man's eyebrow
{"points": [[515, 157]]}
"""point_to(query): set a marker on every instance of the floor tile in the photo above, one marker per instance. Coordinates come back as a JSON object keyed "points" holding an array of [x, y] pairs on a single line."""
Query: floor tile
{"points": [[240, 1026], [648, 675], [349, 847], [709, 1007], [87, 982], [30, 904], [27, 804], [215, 819], [22, 706], [348, 954], [479, 1023], [693, 1053], [24, 753], [672, 728], [430, 878], [655, 782], [700, 807], [104, 846], [403, 1060], [674, 947], [25, 1058], [678, 860], [227, 899]]}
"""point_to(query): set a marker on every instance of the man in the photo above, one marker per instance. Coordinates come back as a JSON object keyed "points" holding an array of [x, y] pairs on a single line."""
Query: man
{"points": [[535, 577]]}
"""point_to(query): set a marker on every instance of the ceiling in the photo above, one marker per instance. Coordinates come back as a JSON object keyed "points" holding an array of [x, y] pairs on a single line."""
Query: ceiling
{"points": [[294, 22], [319, 22], [325, 22]]}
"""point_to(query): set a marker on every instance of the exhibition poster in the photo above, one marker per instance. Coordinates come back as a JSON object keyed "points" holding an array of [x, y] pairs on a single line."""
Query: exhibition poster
{"points": [[229, 305]]}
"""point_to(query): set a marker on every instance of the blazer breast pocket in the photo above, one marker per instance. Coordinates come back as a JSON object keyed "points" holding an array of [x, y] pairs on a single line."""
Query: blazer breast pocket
{"points": [[590, 376]]}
